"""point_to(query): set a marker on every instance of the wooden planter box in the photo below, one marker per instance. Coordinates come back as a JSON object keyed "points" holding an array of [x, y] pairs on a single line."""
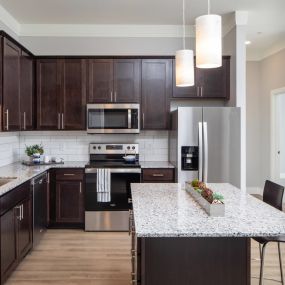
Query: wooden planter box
{"points": [[213, 210]]}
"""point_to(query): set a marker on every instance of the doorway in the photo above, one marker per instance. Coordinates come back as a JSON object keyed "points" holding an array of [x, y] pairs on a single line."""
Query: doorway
{"points": [[278, 136]]}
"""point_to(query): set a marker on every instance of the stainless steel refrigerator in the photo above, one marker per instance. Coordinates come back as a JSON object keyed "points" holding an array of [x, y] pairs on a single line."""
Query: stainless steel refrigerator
{"points": [[204, 143]]}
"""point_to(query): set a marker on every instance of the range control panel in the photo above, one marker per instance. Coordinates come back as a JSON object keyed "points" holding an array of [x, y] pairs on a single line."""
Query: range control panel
{"points": [[101, 148]]}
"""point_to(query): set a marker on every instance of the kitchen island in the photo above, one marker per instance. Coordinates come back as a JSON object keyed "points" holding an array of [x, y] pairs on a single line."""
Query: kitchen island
{"points": [[176, 242]]}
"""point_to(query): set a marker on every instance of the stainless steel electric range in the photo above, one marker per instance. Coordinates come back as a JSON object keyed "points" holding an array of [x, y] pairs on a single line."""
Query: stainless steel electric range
{"points": [[108, 186]]}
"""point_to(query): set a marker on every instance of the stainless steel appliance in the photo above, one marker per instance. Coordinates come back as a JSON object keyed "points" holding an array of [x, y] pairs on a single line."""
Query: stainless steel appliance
{"points": [[113, 118], [204, 143], [114, 214], [39, 185]]}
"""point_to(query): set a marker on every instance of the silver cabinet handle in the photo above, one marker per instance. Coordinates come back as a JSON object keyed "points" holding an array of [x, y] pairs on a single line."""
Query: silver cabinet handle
{"points": [[115, 96], [48, 178], [198, 91], [62, 121], [19, 217], [80, 187], [143, 119], [111, 96], [24, 115], [58, 121], [157, 175], [68, 174], [201, 91], [22, 207], [7, 120]]}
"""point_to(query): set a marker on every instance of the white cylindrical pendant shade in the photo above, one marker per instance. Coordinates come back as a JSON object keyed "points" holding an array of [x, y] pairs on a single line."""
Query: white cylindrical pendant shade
{"points": [[184, 60], [209, 41]]}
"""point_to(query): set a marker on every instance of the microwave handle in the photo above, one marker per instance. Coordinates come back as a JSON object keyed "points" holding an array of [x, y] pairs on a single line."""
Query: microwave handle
{"points": [[129, 118]]}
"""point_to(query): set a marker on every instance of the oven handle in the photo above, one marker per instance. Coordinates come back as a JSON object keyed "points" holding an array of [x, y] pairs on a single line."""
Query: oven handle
{"points": [[116, 170]]}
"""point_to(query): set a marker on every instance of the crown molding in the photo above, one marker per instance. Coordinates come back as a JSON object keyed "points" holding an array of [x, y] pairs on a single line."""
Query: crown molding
{"points": [[125, 31], [9, 21]]}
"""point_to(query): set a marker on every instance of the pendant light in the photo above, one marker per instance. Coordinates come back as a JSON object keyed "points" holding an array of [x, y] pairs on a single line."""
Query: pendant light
{"points": [[184, 62], [209, 40]]}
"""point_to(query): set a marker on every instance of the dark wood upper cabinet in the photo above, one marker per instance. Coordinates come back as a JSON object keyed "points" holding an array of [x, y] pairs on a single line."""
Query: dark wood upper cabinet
{"points": [[26, 91], [127, 80], [209, 83], [73, 93], [11, 86], [156, 92], [61, 94], [100, 73], [214, 82], [48, 99]]}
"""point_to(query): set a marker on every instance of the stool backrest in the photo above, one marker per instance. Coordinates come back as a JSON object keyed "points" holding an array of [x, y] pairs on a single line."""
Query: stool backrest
{"points": [[273, 194]]}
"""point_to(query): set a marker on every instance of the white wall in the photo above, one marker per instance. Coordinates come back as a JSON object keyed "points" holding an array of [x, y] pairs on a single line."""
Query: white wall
{"points": [[73, 146], [9, 148], [281, 130], [262, 78]]}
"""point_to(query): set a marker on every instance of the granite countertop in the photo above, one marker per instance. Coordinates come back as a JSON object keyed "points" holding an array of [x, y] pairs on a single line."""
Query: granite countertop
{"points": [[167, 210], [24, 173], [156, 164]]}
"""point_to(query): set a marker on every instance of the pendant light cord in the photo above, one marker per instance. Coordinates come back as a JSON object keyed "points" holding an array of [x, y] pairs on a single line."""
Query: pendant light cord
{"points": [[209, 7], [183, 10]]}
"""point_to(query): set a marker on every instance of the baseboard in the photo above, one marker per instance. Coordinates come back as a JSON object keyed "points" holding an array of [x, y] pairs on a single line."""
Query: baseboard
{"points": [[254, 190]]}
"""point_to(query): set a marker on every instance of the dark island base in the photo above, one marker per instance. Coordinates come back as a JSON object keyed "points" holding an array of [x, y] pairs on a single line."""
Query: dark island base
{"points": [[197, 261]]}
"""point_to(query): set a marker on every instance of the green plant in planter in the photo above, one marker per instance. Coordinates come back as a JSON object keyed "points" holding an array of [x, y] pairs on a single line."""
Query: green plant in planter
{"points": [[32, 149], [218, 197]]}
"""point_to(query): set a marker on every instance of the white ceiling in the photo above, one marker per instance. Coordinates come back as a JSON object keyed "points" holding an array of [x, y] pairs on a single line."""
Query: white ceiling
{"points": [[266, 24]]}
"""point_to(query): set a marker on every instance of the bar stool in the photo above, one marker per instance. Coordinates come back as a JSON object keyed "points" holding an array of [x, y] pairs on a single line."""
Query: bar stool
{"points": [[272, 195]]}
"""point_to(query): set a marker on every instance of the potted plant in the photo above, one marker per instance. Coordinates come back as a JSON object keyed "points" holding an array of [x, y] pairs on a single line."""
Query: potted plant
{"points": [[34, 152]]}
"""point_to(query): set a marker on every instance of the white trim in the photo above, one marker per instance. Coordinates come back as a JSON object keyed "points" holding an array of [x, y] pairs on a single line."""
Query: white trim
{"points": [[9, 21], [109, 31], [273, 94], [254, 190]]}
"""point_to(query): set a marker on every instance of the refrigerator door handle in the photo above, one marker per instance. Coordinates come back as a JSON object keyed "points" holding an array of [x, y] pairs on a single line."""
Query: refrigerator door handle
{"points": [[206, 152], [200, 144]]}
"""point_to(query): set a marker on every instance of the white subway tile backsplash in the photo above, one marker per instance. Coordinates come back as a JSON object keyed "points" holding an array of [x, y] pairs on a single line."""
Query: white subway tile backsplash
{"points": [[9, 148], [74, 146]]}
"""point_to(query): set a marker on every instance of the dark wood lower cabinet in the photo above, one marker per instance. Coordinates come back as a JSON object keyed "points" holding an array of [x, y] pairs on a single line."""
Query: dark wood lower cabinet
{"points": [[158, 175], [67, 198], [16, 228], [199, 261]]}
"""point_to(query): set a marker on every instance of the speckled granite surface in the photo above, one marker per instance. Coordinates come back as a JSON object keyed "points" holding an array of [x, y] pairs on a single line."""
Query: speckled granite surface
{"points": [[24, 173], [156, 164], [167, 210]]}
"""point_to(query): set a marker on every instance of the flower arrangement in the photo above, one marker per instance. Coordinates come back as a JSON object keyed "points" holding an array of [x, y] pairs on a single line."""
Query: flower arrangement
{"points": [[207, 193]]}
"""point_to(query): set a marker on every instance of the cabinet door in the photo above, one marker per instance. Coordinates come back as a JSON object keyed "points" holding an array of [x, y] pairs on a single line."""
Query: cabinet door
{"points": [[73, 94], [156, 92], [48, 99], [8, 242], [127, 80], [11, 86], [214, 82], [26, 92], [100, 72], [69, 202], [183, 92], [25, 228]]}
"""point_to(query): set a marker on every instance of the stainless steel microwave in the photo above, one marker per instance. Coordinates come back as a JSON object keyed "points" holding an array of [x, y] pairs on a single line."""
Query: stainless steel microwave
{"points": [[113, 118]]}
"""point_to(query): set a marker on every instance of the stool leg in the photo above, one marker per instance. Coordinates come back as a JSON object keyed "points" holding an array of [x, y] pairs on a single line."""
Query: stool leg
{"points": [[280, 263], [260, 249], [262, 264]]}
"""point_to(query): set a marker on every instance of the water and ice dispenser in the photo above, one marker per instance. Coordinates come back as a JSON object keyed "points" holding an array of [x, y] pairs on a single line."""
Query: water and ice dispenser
{"points": [[190, 158]]}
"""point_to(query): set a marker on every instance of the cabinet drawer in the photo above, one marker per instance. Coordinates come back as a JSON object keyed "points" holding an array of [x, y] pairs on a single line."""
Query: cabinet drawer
{"points": [[158, 174], [12, 198], [69, 174]]}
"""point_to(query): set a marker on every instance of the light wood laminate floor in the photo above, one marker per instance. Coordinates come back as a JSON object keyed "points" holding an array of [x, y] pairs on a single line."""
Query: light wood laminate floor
{"points": [[73, 257]]}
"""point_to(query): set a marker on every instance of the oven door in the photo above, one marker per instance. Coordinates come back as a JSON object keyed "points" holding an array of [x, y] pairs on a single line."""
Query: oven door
{"points": [[121, 180], [113, 118]]}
